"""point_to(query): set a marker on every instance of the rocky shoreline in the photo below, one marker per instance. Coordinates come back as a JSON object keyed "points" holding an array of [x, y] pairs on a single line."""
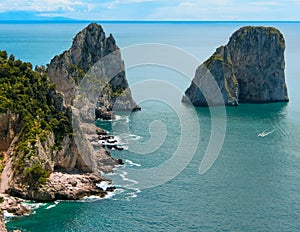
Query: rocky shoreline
{"points": [[63, 185], [66, 186], [60, 186]]}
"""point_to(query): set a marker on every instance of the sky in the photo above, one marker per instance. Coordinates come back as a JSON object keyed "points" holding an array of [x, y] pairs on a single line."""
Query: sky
{"points": [[156, 9]]}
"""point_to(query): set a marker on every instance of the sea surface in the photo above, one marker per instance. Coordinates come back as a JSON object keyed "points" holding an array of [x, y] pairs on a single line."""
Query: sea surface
{"points": [[254, 184]]}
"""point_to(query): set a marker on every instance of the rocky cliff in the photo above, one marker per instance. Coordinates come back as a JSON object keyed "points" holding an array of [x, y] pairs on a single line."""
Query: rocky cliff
{"points": [[2, 224], [92, 53], [38, 145], [249, 69]]}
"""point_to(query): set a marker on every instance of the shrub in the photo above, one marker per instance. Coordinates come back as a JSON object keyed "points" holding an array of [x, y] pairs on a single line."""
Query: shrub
{"points": [[36, 175], [29, 94]]}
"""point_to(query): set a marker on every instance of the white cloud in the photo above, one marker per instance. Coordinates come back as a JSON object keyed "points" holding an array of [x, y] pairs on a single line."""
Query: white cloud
{"points": [[161, 9], [40, 5], [220, 10]]}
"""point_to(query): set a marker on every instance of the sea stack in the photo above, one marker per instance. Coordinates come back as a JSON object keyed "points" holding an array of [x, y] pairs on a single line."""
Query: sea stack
{"points": [[92, 50], [249, 69]]}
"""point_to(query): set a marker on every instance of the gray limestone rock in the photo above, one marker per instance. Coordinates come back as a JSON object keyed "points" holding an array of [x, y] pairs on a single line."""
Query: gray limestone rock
{"points": [[98, 56], [249, 69]]}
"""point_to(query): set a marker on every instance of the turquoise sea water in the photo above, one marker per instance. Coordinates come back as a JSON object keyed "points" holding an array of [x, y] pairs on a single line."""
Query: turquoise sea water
{"points": [[254, 185]]}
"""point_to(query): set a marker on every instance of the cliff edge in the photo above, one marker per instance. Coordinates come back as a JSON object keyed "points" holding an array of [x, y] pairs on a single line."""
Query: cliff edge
{"points": [[249, 69]]}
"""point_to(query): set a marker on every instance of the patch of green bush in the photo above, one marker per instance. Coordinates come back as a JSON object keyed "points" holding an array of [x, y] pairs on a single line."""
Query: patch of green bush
{"points": [[29, 95], [36, 175]]}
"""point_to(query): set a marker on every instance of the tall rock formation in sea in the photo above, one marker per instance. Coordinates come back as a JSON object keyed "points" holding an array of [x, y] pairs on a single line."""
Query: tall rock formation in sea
{"points": [[92, 53], [249, 69]]}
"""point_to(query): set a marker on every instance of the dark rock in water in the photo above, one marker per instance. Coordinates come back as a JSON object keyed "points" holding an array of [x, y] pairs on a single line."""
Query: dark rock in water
{"points": [[119, 148], [120, 161], [110, 189], [92, 53], [249, 69]]}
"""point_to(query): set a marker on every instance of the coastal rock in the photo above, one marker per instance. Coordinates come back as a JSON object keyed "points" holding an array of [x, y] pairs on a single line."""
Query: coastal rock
{"points": [[65, 186], [14, 205], [249, 69], [93, 54]]}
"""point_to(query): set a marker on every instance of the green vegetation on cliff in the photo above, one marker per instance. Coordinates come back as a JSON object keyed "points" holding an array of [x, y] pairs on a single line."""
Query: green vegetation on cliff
{"points": [[31, 96]]}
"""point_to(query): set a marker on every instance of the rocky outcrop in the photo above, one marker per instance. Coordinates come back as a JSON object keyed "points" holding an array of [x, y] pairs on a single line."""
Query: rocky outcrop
{"points": [[71, 177], [14, 205], [249, 69], [93, 54], [65, 186]]}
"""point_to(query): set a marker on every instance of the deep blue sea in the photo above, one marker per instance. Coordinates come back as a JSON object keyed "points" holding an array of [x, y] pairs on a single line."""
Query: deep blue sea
{"points": [[254, 184]]}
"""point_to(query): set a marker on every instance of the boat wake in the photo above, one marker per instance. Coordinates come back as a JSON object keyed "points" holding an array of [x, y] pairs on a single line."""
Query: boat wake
{"points": [[265, 133]]}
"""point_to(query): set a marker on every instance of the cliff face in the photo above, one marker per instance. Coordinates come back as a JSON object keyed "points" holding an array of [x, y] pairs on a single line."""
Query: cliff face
{"points": [[37, 139], [91, 50], [249, 69], [2, 223], [8, 129]]}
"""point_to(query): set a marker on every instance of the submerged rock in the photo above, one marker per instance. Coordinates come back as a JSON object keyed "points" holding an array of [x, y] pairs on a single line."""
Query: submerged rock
{"points": [[249, 69]]}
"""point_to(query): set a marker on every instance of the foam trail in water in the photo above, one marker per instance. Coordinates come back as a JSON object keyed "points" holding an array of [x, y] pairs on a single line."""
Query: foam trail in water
{"points": [[265, 133]]}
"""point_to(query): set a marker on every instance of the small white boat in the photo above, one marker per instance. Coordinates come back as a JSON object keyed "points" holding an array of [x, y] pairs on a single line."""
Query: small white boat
{"points": [[265, 133]]}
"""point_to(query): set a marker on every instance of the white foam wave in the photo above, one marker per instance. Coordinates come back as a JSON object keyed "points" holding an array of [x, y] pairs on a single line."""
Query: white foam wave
{"points": [[91, 199], [104, 185], [117, 118], [109, 195], [123, 176], [121, 118], [34, 206], [51, 206], [7, 215], [132, 136], [131, 163]]}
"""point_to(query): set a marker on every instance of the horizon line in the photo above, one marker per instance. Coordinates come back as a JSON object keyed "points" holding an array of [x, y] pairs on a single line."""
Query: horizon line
{"points": [[142, 21]]}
